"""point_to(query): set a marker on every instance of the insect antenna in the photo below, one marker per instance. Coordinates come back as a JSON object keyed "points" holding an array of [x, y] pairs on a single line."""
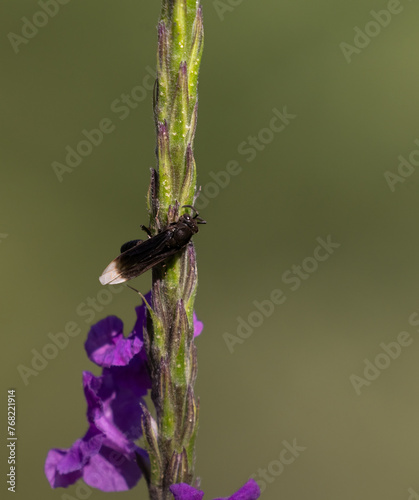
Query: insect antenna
{"points": [[142, 296]]}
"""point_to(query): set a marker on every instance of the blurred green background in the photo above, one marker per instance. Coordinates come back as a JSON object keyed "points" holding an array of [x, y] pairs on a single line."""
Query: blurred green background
{"points": [[323, 174]]}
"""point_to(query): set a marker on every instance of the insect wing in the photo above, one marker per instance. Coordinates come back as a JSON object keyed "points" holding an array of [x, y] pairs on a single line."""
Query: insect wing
{"points": [[129, 244], [138, 259]]}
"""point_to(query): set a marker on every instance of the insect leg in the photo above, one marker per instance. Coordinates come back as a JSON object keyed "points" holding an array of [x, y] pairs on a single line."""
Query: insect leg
{"points": [[147, 230], [192, 208]]}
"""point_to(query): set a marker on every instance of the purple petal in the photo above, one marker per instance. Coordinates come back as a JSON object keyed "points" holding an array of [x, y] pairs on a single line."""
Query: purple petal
{"points": [[134, 377], [250, 491], [106, 345], [114, 411], [111, 471], [72, 460], [64, 467], [77, 456], [55, 478], [198, 326], [183, 491], [101, 466]]}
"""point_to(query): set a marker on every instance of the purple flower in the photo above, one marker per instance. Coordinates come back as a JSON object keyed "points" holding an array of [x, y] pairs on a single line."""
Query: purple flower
{"points": [[95, 459], [106, 456], [182, 491]]}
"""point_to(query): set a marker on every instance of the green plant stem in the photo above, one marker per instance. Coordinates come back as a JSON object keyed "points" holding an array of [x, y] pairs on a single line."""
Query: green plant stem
{"points": [[169, 338]]}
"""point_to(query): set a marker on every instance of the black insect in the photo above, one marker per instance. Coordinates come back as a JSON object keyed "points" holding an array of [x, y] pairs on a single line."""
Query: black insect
{"points": [[139, 256]]}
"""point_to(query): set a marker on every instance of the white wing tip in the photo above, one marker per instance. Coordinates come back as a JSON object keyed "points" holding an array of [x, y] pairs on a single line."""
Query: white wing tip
{"points": [[111, 275]]}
